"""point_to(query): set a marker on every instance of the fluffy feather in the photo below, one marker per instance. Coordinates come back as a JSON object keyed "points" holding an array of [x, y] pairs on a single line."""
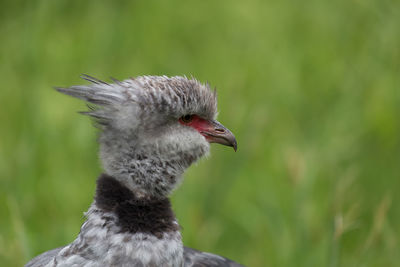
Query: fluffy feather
{"points": [[161, 95]]}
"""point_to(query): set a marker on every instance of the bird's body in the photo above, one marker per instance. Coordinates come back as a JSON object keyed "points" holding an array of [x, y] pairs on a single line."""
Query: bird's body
{"points": [[152, 129]]}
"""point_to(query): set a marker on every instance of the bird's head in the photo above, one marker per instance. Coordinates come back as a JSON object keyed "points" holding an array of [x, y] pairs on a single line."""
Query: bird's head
{"points": [[152, 128]]}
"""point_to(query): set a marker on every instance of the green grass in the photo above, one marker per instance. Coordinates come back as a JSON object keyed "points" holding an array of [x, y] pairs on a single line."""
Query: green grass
{"points": [[310, 88]]}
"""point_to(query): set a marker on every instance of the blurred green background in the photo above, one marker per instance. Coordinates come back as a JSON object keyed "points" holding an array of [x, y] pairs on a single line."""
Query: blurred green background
{"points": [[310, 88]]}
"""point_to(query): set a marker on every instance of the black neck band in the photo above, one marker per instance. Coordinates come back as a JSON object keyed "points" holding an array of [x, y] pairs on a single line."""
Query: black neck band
{"points": [[152, 216]]}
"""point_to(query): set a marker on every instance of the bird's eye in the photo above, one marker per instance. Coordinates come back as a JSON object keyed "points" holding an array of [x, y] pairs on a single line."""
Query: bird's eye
{"points": [[186, 118]]}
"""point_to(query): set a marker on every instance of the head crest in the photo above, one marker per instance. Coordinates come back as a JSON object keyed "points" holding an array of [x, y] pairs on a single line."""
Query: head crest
{"points": [[171, 96]]}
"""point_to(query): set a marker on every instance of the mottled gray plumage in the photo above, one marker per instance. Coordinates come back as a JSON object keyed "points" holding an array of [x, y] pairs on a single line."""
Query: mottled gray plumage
{"points": [[192, 258], [145, 147]]}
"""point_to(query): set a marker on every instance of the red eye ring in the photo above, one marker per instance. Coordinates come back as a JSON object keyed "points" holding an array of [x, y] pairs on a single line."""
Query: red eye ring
{"points": [[188, 118]]}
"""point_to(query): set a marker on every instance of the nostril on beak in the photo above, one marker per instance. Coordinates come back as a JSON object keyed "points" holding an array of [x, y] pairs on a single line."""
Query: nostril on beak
{"points": [[219, 130]]}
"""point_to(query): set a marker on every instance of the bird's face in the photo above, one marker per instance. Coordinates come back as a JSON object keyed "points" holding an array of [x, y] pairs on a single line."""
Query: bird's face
{"points": [[173, 114], [187, 136]]}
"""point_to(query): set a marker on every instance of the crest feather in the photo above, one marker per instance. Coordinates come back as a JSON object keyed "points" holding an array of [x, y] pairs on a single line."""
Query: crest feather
{"points": [[172, 96]]}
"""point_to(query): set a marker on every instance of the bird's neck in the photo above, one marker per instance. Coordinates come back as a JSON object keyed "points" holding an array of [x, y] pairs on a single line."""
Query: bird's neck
{"points": [[148, 170], [123, 230], [134, 214]]}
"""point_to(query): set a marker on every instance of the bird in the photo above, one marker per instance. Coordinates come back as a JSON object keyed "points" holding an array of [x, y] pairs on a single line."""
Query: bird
{"points": [[151, 129]]}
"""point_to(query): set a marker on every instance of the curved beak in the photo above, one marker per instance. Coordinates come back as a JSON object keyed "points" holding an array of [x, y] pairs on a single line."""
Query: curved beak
{"points": [[217, 133]]}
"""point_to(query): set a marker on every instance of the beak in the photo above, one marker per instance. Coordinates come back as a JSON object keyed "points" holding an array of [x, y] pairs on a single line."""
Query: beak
{"points": [[217, 133]]}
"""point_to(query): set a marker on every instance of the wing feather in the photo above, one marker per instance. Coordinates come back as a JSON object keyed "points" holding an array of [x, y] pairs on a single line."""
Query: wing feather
{"points": [[195, 258]]}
